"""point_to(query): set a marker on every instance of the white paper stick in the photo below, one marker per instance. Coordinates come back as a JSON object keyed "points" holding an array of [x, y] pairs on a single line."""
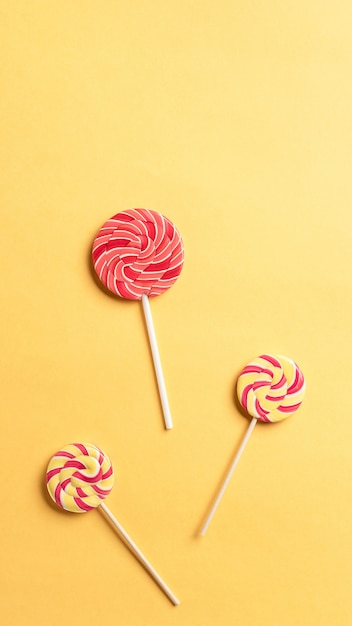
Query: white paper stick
{"points": [[229, 474], [157, 362], [136, 551]]}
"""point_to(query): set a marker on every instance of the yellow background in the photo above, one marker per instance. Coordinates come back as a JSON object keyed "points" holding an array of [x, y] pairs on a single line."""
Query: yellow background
{"points": [[233, 118]]}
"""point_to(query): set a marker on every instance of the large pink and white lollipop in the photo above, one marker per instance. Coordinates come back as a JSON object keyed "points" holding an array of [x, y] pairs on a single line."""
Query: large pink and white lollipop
{"points": [[270, 388], [78, 478], [138, 254]]}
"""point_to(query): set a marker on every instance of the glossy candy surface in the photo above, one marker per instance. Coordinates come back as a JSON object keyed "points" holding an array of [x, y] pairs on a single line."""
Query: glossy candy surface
{"points": [[79, 477], [138, 252], [271, 388]]}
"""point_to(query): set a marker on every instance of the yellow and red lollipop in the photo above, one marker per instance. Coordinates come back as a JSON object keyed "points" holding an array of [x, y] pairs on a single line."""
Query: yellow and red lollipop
{"points": [[270, 388], [78, 479]]}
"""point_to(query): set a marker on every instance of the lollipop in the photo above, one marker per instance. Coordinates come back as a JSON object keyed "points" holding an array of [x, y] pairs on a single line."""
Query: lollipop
{"points": [[78, 478], [270, 388], [138, 254]]}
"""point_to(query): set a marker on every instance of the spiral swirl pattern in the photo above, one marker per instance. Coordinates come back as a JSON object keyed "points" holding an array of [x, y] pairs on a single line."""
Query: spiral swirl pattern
{"points": [[138, 252], [79, 477], [271, 388]]}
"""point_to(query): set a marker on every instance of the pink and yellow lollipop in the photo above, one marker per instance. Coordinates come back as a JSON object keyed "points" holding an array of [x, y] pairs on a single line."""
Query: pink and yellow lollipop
{"points": [[78, 479], [138, 254], [270, 388]]}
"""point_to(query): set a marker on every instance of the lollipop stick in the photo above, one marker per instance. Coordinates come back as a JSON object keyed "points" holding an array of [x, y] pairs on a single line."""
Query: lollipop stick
{"points": [[136, 551], [229, 474], [157, 362]]}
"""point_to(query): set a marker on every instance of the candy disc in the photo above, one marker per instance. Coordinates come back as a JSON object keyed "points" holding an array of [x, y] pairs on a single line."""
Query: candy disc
{"points": [[79, 477], [138, 252], [271, 388]]}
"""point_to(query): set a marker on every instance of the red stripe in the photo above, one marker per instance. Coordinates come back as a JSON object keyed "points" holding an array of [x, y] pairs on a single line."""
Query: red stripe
{"points": [[52, 473], [144, 242], [108, 473], [82, 505], [264, 418], [81, 493], [297, 383], [76, 464], [123, 217], [101, 492], [89, 479], [130, 273], [294, 383], [126, 260], [289, 409], [145, 281], [151, 230], [123, 292], [271, 360], [57, 494], [254, 369], [112, 244], [277, 399], [69, 455], [172, 273], [170, 228], [65, 483], [142, 214], [281, 382], [260, 410], [158, 267], [260, 383], [244, 396], [98, 252], [82, 448]]}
